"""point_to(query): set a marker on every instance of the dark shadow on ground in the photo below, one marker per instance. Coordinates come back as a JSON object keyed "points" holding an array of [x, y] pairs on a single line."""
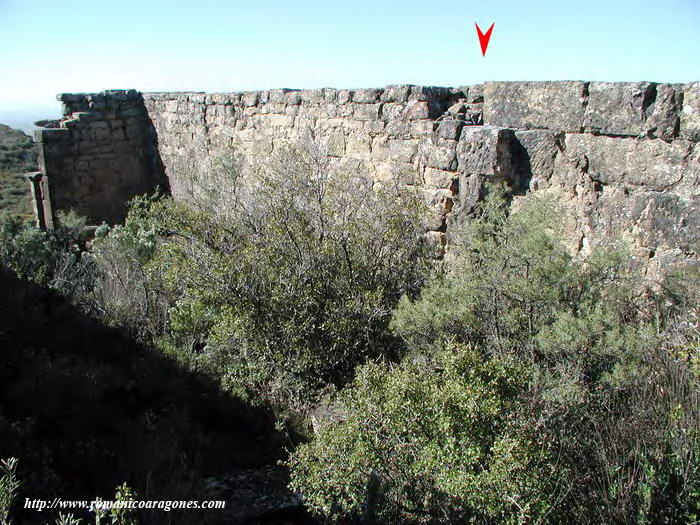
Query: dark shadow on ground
{"points": [[86, 408]]}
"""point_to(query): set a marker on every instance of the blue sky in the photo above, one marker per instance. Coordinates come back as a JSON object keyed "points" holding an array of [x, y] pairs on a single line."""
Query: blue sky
{"points": [[47, 47]]}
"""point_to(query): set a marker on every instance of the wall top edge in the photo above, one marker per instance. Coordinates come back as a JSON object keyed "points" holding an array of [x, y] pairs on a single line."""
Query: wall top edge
{"points": [[129, 93]]}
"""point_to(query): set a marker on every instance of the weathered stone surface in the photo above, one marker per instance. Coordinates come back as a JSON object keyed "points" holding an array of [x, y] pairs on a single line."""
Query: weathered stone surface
{"points": [[474, 93], [293, 98], [312, 96], [467, 191], [527, 105], [653, 164], [621, 159], [434, 178], [403, 150], [534, 154], [250, 99], [439, 155], [690, 113], [396, 93], [654, 220], [450, 129], [336, 144], [367, 111], [417, 110], [618, 108], [485, 151], [439, 200], [457, 108], [663, 117], [366, 96], [52, 135], [430, 93]]}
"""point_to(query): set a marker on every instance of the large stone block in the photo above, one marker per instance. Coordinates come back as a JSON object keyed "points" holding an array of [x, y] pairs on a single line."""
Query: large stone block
{"points": [[534, 155], [618, 108], [293, 98], [440, 155], [450, 129], [250, 99], [367, 111], [485, 150], [654, 164], [430, 93], [421, 128], [663, 116], [434, 178], [52, 135], [312, 96], [380, 148], [440, 201], [650, 219], [403, 150], [278, 95], [396, 93], [416, 110], [358, 146], [366, 96], [374, 126], [392, 111], [530, 105], [335, 144], [330, 95]]}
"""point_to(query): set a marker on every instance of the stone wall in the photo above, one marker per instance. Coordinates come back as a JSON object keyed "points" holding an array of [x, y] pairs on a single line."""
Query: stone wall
{"points": [[101, 155], [622, 158]]}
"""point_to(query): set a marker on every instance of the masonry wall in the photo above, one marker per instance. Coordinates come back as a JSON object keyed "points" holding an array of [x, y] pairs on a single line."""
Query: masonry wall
{"points": [[622, 158], [102, 154]]}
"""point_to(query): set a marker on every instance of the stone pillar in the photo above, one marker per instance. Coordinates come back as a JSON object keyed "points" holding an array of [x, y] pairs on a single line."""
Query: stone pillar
{"points": [[41, 197]]}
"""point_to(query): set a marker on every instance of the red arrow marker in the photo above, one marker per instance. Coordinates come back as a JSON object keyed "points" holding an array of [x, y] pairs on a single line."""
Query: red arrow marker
{"points": [[484, 38]]}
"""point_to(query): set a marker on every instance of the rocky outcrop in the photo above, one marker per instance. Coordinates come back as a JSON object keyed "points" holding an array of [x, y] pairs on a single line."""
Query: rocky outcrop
{"points": [[621, 158]]}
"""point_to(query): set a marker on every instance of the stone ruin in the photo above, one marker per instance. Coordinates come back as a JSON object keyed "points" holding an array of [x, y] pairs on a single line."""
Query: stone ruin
{"points": [[621, 158]]}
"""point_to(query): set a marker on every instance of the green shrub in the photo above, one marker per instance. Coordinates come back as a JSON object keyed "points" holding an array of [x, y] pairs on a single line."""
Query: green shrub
{"points": [[9, 484], [55, 258], [612, 406], [289, 283], [124, 294], [435, 440]]}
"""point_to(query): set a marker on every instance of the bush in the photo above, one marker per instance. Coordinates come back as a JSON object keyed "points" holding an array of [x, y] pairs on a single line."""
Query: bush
{"points": [[606, 416], [124, 294], [56, 258], [435, 440], [289, 282]]}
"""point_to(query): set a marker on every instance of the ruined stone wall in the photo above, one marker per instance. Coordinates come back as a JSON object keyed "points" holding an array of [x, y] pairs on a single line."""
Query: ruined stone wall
{"points": [[404, 132], [100, 156], [621, 158]]}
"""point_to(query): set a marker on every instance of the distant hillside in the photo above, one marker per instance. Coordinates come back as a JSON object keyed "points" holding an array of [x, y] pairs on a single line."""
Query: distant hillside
{"points": [[18, 152], [18, 155]]}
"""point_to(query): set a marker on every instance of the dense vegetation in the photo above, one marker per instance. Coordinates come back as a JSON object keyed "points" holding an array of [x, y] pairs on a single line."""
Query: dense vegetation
{"points": [[17, 156], [86, 407], [535, 388], [514, 384]]}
